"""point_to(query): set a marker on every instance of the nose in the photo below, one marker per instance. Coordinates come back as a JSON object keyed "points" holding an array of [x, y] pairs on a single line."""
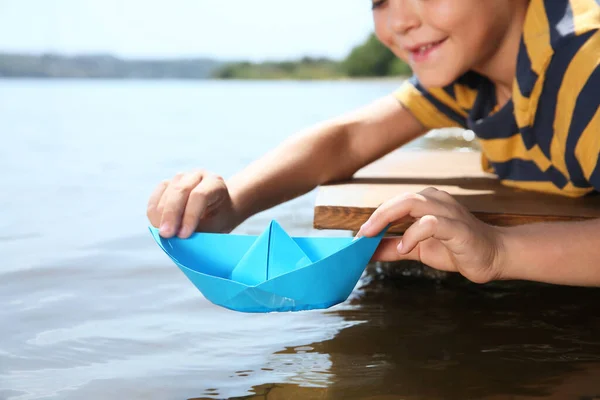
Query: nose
{"points": [[402, 16]]}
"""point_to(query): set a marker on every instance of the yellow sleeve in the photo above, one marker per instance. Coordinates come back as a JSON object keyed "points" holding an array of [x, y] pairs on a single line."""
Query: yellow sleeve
{"points": [[439, 107]]}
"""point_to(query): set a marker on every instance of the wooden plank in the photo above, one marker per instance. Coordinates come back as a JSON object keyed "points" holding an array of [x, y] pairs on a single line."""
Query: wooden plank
{"points": [[347, 205]]}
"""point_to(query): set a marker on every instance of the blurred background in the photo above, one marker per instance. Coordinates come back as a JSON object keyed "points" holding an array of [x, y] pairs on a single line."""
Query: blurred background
{"points": [[188, 39], [101, 100]]}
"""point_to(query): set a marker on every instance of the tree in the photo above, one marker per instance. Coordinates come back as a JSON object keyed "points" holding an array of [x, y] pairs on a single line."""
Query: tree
{"points": [[373, 59]]}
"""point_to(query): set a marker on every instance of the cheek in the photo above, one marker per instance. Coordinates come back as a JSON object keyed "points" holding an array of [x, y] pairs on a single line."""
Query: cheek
{"points": [[477, 44], [473, 37], [385, 35]]}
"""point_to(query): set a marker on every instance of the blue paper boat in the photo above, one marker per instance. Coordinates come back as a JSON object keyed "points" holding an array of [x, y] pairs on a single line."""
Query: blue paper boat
{"points": [[272, 271]]}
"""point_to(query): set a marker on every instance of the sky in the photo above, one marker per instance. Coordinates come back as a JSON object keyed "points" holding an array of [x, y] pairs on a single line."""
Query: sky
{"points": [[226, 29]]}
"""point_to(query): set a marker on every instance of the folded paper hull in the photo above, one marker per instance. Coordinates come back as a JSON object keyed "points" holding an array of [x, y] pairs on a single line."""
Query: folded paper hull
{"points": [[321, 272]]}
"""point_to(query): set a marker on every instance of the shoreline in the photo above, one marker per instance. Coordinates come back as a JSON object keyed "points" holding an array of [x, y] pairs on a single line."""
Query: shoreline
{"points": [[83, 78]]}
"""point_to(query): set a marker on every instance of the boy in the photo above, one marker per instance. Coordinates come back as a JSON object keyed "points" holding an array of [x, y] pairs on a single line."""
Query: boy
{"points": [[524, 75]]}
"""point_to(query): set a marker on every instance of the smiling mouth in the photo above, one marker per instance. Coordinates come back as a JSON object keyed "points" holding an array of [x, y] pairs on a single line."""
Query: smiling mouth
{"points": [[420, 53]]}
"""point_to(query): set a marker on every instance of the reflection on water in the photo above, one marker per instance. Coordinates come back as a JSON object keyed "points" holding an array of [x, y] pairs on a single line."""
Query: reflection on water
{"points": [[416, 338], [449, 139], [454, 340]]}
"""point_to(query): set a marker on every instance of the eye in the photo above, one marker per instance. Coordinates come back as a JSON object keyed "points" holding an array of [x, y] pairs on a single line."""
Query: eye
{"points": [[377, 3]]}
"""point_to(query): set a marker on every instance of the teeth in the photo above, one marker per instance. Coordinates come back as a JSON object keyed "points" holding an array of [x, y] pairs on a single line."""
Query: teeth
{"points": [[423, 49]]}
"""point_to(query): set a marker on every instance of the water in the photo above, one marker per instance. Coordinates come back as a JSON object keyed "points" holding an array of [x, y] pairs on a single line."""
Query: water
{"points": [[91, 308]]}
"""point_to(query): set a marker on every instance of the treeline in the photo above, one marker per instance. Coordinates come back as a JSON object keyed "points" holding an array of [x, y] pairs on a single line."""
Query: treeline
{"points": [[305, 68], [369, 59], [103, 66]]}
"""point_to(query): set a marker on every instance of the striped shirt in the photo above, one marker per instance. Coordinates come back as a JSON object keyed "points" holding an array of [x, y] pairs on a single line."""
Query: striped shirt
{"points": [[547, 137]]}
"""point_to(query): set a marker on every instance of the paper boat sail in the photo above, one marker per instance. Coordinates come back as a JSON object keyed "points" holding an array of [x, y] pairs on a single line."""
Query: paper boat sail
{"points": [[272, 271]]}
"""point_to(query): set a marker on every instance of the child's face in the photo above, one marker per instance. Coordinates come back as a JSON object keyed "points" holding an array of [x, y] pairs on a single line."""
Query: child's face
{"points": [[443, 39]]}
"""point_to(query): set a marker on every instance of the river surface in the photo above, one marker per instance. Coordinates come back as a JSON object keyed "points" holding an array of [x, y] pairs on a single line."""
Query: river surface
{"points": [[91, 308]]}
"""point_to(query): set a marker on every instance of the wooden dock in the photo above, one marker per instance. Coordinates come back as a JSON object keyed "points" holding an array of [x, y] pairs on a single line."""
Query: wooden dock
{"points": [[347, 205]]}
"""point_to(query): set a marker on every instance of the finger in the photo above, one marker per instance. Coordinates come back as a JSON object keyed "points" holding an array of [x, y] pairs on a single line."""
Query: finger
{"points": [[456, 209], [440, 195], [387, 250], [413, 205], [152, 210], [209, 193], [161, 204], [176, 198], [429, 191], [430, 226]]}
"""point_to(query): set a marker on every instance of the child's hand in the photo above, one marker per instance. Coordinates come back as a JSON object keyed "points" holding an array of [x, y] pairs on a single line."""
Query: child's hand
{"points": [[197, 200], [445, 235]]}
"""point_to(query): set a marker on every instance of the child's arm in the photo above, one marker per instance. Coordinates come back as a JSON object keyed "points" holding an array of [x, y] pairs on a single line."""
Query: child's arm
{"points": [[329, 151], [563, 253], [448, 237]]}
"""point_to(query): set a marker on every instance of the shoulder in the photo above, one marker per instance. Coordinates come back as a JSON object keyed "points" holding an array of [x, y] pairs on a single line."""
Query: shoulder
{"points": [[555, 94], [552, 27], [560, 43], [569, 18]]}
